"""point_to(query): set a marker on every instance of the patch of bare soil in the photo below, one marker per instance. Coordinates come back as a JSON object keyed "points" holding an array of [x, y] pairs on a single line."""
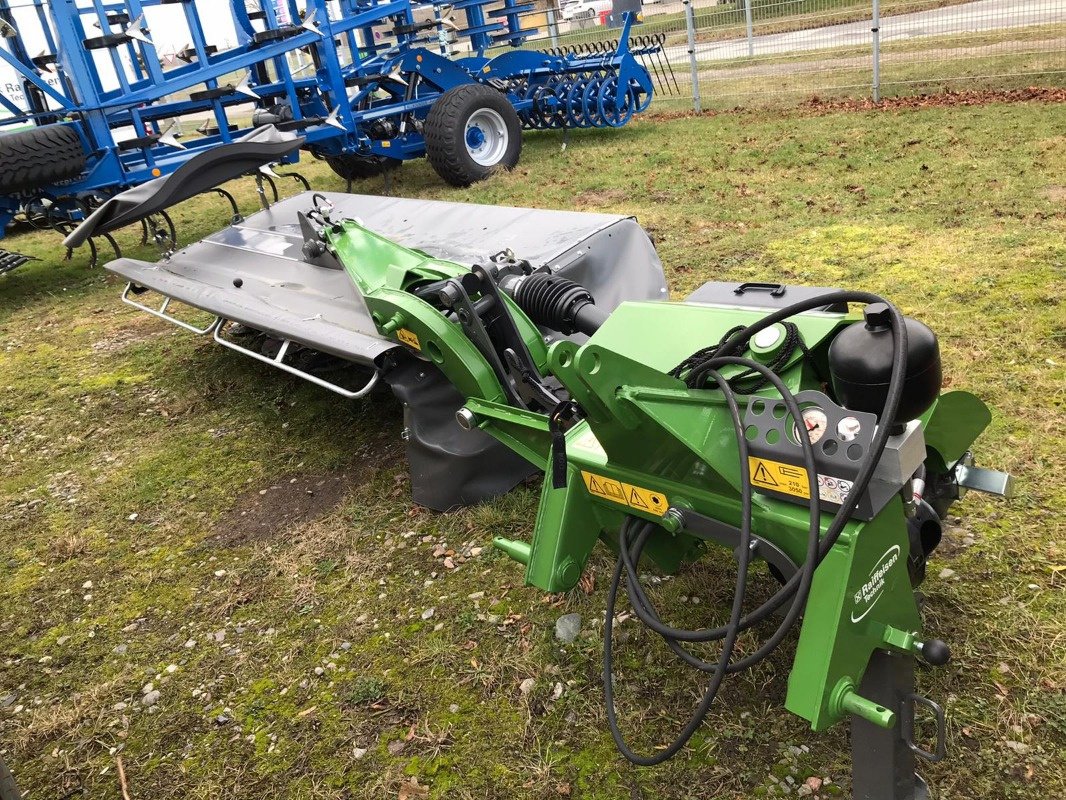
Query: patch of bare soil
{"points": [[287, 503], [598, 197], [816, 105], [940, 99]]}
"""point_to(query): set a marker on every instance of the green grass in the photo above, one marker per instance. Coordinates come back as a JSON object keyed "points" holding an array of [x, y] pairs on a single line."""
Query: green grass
{"points": [[125, 445]]}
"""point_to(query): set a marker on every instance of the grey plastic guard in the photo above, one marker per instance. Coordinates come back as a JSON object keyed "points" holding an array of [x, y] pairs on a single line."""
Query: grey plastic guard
{"points": [[199, 174], [320, 308]]}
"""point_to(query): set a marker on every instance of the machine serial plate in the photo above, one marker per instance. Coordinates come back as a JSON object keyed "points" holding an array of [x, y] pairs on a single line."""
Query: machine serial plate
{"points": [[625, 494], [774, 476]]}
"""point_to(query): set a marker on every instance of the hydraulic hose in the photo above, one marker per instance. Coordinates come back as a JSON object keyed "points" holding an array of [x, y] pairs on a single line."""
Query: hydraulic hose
{"points": [[797, 588]]}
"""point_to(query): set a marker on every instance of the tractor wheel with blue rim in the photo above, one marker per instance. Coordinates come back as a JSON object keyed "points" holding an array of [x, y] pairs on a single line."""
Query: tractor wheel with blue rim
{"points": [[472, 131]]}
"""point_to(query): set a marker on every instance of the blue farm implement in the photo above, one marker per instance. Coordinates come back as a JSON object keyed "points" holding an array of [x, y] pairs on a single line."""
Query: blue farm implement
{"points": [[99, 103]]}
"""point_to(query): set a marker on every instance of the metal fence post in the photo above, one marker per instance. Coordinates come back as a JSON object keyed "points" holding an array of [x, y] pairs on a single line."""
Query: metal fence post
{"points": [[751, 26], [875, 29], [690, 23], [553, 27]]}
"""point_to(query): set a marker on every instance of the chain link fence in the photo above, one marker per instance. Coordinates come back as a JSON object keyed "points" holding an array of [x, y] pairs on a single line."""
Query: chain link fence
{"points": [[759, 52]]}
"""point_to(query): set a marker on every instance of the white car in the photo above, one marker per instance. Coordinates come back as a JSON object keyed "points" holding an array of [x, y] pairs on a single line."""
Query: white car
{"points": [[584, 9]]}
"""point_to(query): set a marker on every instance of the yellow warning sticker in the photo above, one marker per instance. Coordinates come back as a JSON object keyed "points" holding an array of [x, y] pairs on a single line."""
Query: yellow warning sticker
{"points": [[778, 477], [408, 338], [625, 494], [774, 476]]}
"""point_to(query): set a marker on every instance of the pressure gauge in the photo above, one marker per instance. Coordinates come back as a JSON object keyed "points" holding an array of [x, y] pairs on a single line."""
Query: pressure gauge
{"points": [[815, 421]]}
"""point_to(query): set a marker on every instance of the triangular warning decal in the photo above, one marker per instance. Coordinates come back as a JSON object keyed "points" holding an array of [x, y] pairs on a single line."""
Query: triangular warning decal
{"points": [[762, 475], [637, 501], [594, 486]]}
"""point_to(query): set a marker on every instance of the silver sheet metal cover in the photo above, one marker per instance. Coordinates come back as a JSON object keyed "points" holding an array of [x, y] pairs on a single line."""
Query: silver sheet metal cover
{"points": [[320, 308]]}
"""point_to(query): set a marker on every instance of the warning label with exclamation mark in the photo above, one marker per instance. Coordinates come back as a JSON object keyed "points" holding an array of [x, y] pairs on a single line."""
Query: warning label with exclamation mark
{"points": [[625, 494]]}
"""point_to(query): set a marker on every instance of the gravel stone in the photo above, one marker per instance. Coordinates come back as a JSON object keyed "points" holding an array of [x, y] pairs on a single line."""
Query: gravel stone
{"points": [[567, 628]]}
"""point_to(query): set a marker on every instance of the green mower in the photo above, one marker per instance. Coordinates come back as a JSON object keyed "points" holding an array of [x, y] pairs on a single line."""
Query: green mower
{"points": [[804, 428]]}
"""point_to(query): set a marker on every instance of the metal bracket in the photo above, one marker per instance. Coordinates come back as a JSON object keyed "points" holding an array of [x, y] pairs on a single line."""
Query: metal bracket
{"points": [[708, 529], [907, 721], [990, 481], [161, 312], [278, 361]]}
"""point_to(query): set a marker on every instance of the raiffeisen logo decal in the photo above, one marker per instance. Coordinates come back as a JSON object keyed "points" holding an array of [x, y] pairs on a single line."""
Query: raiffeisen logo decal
{"points": [[870, 592]]}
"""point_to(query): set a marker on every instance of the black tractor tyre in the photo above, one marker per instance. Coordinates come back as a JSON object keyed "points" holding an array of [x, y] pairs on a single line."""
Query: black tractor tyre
{"points": [[38, 157], [352, 167], [447, 146]]}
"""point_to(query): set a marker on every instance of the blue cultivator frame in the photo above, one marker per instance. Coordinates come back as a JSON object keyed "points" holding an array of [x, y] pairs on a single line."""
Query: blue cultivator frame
{"points": [[356, 79]]}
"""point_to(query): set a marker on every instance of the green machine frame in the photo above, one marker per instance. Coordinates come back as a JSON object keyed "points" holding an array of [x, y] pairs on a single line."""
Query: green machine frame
{"points": [[632, 441]]}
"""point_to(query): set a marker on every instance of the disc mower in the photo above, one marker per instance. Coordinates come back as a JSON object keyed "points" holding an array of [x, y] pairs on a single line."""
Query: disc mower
{"points": [[801, 427]]}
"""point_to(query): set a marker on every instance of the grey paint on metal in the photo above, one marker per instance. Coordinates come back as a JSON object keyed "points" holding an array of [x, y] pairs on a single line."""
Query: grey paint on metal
{"points": [[318, 307]]}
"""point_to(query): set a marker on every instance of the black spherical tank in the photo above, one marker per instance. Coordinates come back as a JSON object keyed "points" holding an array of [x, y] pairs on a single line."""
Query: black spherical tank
{"points": [[860, 364]]}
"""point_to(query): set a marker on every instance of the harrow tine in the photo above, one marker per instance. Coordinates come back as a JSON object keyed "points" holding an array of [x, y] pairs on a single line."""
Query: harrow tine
{"points": [[232, 201], [94, 253], [269, 178], [661, 41], [649, 65], [170, 227], [300, 179], [114, 245], [659, 78]]}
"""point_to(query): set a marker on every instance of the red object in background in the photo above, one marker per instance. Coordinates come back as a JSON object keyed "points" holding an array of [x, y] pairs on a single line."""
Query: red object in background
{"points": [[603, 17]]}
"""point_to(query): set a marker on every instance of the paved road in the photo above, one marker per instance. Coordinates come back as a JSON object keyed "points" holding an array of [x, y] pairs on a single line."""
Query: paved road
{"points": [[982, 15]]}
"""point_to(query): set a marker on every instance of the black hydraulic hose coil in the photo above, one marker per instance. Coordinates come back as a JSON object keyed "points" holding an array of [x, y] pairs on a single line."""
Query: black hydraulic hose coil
{"points": [[559, 304]]}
